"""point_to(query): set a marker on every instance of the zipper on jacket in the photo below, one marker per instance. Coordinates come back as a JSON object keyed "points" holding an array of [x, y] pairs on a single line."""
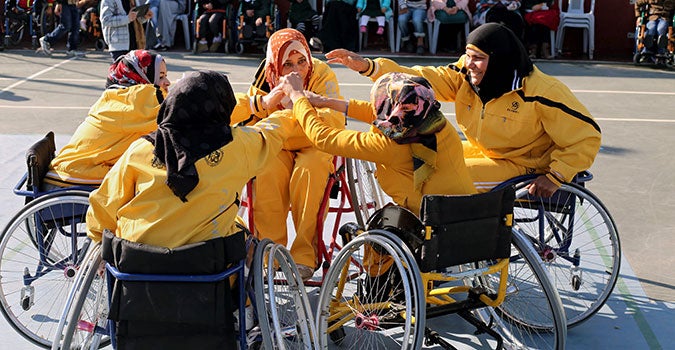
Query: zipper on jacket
{"points": [[480, 121]]}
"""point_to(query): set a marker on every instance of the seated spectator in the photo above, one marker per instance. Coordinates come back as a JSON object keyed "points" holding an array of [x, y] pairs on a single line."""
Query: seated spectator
{"points": [[659, 18], [181, 183], [380, 9], [166, 22], [415, 11], [449, 12], [304, 19], [541, 17], [210, 24], [500, 11], [122, 29], [255, 13], [136, 85]]}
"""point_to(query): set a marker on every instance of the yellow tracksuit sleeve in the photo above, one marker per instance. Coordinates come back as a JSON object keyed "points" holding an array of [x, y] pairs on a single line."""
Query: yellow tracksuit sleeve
{"points": [[445, 80], [136, 204]]}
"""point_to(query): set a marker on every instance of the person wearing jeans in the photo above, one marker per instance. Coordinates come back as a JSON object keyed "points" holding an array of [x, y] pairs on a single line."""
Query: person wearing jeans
{"points": [[70, 23], [418, 11]]}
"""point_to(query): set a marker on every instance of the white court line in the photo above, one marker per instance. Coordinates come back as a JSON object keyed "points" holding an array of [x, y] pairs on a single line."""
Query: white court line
{"points": [[36, 74]]}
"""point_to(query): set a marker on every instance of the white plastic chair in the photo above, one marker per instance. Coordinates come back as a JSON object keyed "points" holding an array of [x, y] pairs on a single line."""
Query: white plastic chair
{"points": [[575, 17], [363, 37], [184, 19], [436, 25]]}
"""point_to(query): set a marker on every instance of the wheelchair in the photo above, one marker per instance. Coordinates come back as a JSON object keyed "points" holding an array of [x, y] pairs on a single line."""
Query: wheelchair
{"points": [[41, 249], [576, 238], [248, 35], [103, 307], [388, 281], [93, 31], [352, 188], [647, 49], [20, 17]]}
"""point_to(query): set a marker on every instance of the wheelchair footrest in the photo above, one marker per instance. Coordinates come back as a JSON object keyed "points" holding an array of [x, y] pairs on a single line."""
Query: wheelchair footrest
{"points": [[481, 327]]}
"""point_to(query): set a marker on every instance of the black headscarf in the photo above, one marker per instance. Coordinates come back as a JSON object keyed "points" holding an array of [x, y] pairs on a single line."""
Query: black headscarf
{"points": [[509, 61], [193, 121]]}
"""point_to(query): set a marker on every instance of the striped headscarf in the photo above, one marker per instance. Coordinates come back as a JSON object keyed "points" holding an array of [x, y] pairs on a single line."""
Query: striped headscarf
{"points": [[136, 67], [408, 113], [279, 47]]}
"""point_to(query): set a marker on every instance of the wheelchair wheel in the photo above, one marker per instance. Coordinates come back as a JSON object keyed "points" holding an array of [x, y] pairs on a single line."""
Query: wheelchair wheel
{"points": [[41, 249], [15, 33], [379, 309], [577, 239], [367, 196], [285, 317], [83, 324], [48, 20], [531, 316]]}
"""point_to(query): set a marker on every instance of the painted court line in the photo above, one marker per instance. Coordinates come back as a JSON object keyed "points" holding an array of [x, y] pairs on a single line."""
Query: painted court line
{"points": [[35, 75]]}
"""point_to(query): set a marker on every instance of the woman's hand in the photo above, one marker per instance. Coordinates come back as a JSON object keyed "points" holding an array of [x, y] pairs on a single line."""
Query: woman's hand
{"points": [[384, 10], [274, 98], [132, 16], [350, 59], [292, 85], [148, 14], [542, 187], [316, 100]]}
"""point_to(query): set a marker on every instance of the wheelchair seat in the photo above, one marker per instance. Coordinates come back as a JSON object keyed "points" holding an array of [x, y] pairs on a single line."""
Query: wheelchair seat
{"points": [[154, 308]]}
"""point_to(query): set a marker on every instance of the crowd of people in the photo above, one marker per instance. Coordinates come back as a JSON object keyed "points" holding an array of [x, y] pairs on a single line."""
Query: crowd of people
{"points": [[123, 29]]}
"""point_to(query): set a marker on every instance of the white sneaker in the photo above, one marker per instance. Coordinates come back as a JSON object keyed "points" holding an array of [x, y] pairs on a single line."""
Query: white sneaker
{"points": [[45, 46], [73, 53]]}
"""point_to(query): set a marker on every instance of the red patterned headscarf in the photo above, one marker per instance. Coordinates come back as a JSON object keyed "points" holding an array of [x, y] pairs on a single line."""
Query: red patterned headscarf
{"points": [[136, 67], [280, 45]]}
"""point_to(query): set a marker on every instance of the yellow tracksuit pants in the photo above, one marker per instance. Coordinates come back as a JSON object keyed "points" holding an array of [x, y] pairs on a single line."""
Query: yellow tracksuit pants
{"points": [[487, 172], [297, 179]]}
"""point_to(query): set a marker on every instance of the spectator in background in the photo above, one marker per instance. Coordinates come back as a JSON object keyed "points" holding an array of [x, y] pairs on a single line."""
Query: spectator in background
{"points": [[305, 19], [255, 14], [380, 9], [210, 24], [166, 22], [415, 11], [500, 11], [122, 30], [449, 12], [659, 16], [339, 28], [69, 12], [541, 17]]}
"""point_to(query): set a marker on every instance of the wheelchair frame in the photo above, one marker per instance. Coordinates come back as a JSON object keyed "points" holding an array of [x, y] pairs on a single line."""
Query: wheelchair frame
{"points": [[41, 248], [272, 24], [576, 238], [356, 191], [274, 329], [228, 30]]}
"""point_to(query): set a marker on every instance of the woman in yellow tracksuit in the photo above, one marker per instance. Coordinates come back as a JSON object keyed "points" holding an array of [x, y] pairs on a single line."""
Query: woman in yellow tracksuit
{"points": [[414, 147], [297, 177], [516, 119], [136, 85], [181, 183]]}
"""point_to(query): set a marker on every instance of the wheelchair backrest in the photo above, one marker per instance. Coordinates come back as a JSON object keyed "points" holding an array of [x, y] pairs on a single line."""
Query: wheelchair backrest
{"points": [[38, 158], [464, 229]]}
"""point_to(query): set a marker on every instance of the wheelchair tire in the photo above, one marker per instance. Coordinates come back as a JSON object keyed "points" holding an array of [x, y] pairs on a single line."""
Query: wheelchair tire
{"points": [[15, 33], [239, 48], [83, 324], [591, 251], [367, 196], [284, 313], [48, 21], [383, 297], [531, 315], [38, 262]]}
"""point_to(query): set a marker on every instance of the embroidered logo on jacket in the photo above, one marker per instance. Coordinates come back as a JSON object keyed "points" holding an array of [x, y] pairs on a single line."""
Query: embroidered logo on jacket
{"points": [[514, 107], [157, 164], [213, 158]]}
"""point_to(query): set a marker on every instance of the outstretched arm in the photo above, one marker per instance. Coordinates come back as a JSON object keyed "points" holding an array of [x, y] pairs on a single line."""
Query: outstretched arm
{"points": [[349, 59]]}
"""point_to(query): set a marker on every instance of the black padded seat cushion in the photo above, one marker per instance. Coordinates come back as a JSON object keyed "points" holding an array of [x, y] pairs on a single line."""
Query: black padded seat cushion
{"points": [[466, 228], [173, 315]]}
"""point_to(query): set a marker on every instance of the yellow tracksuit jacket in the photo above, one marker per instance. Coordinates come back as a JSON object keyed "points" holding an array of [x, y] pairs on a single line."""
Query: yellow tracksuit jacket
{"points": [[394, 161], [118, 118], [539, 127], [297, 177], [135, 203]]}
